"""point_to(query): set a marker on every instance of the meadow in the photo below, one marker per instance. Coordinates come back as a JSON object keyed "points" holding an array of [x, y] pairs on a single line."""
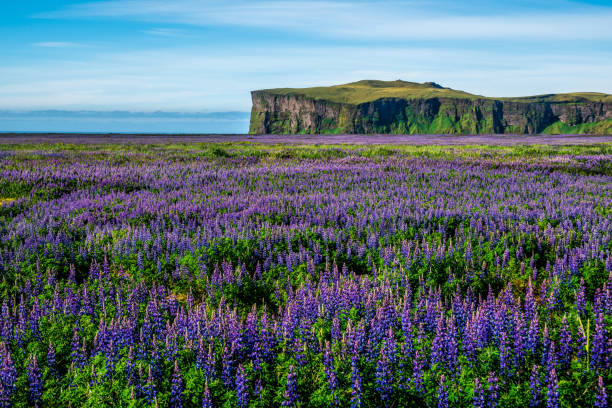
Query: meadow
{"points": [[305, 275]]}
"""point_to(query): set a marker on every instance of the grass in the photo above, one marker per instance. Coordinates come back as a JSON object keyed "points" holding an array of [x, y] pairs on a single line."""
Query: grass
{"points": [[356, 93], [559, 128], [36, 152]]}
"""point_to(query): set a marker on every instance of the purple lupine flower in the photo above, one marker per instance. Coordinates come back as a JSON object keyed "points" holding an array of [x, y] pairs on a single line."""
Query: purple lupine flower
{"points": [[8, 374], [546, 343], [176, 392], [470, 342], [111, 357], [291, 397], [534, 387], [552, 390], [530, 305], [35, 316], [242, 387], [330, 372], [492, 391], [356, 389], [34, 380], [130, 367], [384, 378], [533, 335], [552, 302], [438, 349], [608, 288], [94, 270], [403, 367], [551, 359], [228, 366], [201, 355], [598, 353], [209, 363], [105, 268], [206, 399], [5, 397], [565, 343], [442, 393], [418, 363], [76, 351], [451, 346], [139, 382], [150, 391], [609, 355], [51, 360], [519, 340], [479, 396], [599, 302], [601, 399], [503, 355], [580, 298], [258, 389]]}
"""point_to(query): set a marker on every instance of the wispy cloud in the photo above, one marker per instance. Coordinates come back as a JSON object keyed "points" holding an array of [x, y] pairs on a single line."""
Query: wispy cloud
{"points": [[398, 20], [58, 44], [166, 32], [201, 79]]}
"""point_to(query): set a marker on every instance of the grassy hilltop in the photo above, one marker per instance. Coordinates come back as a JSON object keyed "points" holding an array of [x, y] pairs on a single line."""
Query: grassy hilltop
{"points": [[370, 90]]}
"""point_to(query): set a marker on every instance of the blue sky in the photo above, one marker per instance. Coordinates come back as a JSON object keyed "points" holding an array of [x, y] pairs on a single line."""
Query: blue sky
{"points": [[206, 55]]}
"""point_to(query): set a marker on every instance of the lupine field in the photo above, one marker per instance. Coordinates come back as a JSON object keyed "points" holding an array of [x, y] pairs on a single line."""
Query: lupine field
{"points": [[248, 275]]}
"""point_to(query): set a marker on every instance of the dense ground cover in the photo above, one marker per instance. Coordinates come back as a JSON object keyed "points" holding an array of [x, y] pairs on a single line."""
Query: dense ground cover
{"points": [[307, 276]]}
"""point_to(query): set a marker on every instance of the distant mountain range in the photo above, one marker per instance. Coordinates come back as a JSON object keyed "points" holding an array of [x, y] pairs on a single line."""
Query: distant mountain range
{"points": [[122, 114], [401, 107]]}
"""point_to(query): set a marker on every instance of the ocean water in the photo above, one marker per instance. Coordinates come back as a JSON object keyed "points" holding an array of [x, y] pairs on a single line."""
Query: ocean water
{"points": [[124, 122]]}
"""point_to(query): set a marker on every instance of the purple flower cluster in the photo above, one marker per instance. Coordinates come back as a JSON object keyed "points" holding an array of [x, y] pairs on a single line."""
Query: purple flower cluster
{"points": [[376, 279], [291, 397]]}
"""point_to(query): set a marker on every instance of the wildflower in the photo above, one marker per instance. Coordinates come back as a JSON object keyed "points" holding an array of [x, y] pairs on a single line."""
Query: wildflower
{"points": [[34, 380], [479, 397], [176, 392], [534, 387], [291, 392], [601, 400], [242, 387], [552, 391], [492, 391], [206, 399], [442, 393], [384, 378]]}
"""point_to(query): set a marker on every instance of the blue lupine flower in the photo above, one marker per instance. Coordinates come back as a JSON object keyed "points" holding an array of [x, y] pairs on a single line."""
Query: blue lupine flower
{"points": [[552, 390], [291, 397], [176, 392], [242, 387]]}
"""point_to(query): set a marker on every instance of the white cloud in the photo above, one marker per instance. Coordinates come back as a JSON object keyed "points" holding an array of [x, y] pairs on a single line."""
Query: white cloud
{"points": [[366, 20], [166, 32], [201, 79], [58, 44]]}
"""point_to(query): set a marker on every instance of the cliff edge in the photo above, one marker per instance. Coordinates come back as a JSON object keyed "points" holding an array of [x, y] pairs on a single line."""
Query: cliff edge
{"points": [[400, 107]]}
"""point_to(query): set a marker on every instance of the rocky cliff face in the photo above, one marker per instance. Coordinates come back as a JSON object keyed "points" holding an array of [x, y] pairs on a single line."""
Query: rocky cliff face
{"points": [[294, 114]]}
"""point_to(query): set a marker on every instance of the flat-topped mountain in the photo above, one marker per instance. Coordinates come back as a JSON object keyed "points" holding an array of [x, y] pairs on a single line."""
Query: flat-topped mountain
{"points": [[401, 107]]}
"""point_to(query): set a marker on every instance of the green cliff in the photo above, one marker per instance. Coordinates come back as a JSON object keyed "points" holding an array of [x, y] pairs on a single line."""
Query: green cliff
{"points": [[400, 107]]}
